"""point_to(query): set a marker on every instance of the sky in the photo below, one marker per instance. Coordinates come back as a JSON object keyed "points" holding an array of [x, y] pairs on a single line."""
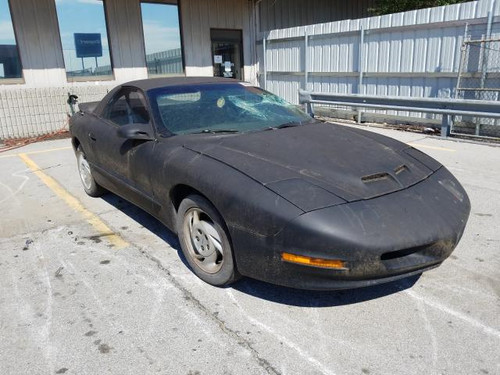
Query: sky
{"points": [[6, 30], [161, 27]]}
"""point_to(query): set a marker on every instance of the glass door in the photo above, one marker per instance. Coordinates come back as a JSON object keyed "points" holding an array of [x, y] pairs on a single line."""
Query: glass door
{"points": [[227, 53]]}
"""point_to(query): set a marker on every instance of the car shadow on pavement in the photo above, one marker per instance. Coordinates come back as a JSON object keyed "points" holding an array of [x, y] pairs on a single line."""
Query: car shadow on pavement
{"points": [[143, 218], [263, 290], [314, 298]]}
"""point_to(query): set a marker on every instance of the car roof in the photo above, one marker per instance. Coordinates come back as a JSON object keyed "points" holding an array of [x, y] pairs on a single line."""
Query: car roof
{"points": [[154, 83]]}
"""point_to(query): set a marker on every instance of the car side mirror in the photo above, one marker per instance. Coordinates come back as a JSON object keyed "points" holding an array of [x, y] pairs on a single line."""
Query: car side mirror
{"points": [[135, 131]]}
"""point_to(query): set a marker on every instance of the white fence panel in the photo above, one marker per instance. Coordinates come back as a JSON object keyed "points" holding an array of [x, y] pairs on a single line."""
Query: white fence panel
{"points": [[415, 53], [30, 112]]}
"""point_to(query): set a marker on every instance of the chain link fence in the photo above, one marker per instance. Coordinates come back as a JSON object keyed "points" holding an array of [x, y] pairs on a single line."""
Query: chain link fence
{"points": [[479, 79]]}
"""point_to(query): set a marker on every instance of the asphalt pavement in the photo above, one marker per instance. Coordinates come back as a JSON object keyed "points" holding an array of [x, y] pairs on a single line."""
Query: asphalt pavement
{"points": [[94, 286]]}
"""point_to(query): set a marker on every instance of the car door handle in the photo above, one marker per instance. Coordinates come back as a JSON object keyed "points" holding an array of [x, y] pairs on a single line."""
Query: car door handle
{"points": [[92, 136]]}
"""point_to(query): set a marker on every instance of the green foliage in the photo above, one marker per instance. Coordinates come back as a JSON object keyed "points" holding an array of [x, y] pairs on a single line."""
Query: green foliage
{"points": [[396, 6]]}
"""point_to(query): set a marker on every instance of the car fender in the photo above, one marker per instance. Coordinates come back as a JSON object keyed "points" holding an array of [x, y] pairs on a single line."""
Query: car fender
{"points": [[243, 202]]}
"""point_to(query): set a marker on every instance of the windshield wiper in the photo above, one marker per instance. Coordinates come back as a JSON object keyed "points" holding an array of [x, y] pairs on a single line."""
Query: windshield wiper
{"points": [[290, 124], [214, 131]]}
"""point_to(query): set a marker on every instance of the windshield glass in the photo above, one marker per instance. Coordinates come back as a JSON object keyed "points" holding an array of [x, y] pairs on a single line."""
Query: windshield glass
{"points": [[222, 107]]}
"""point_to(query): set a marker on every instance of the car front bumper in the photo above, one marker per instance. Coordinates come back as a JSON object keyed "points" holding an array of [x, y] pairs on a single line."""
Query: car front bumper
{"points": [[379, 240]]}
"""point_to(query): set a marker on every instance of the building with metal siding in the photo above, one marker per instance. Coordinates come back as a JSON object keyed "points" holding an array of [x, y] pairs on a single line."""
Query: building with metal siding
{"points": [[200, 16], [441, 52], [280, 14], [34, 103], [36, 28]]}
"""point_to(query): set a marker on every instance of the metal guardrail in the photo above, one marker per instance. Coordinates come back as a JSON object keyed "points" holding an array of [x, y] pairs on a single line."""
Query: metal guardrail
{"points": [[446, 107]]}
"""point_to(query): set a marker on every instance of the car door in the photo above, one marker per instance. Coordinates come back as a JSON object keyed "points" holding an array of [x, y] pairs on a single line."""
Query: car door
{"points": [[125, 162]]}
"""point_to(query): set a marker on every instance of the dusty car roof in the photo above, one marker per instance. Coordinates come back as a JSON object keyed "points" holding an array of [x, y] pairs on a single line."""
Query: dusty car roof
{"points": [[153, 83]]}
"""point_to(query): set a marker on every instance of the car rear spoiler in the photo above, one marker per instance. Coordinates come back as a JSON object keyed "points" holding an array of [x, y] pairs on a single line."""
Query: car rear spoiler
{"points": [[88, 107]]}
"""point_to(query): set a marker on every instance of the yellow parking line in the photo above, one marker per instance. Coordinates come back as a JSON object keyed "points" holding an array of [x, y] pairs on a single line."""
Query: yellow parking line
{"points": [[75, 204], [431, 147], [36, 152], [48, 150]]}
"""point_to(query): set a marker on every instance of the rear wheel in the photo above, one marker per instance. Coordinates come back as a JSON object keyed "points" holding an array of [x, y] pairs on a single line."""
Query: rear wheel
{"points": [[91, 187], [205, 242]]}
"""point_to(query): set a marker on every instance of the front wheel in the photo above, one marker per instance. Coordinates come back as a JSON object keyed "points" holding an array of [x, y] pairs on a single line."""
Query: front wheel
{"points": [[205, 242], [90, 186]]}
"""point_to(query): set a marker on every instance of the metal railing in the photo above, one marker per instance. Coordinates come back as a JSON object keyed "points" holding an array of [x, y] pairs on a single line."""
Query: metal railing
{"points": [[422, 53], [445, 107]]}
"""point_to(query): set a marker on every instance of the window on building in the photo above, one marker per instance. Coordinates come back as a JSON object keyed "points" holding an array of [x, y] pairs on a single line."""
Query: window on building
{"points": [[162, 38], [10, 63], [84, 39]]}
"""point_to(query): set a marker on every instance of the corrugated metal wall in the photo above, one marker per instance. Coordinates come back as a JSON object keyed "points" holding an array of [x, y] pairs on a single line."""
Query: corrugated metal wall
{"points": [[279, 14], [126, 39], [414, 53], [37, 33]]}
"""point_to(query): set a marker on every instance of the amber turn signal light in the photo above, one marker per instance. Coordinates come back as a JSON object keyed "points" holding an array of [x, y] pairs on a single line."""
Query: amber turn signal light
{"points": [[315, 262]]}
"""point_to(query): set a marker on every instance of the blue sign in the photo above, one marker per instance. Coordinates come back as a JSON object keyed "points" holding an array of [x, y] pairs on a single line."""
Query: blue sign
{"points": [[88, 45]]}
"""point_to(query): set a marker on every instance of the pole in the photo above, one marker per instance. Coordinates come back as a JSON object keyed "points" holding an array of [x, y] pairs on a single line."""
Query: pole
{"points": [[485, 46], [264, 62], [360, 67], [490, 19], [361, 59], [461, 63], [306, 59], [461, 66], [445, 126]]}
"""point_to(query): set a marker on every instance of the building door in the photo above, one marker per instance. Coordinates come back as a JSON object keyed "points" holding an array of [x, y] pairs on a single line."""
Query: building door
{"points": [[227, 53]]}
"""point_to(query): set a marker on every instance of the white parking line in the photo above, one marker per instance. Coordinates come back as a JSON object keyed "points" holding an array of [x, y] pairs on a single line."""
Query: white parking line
{"points": [[431, 147], [487, 329]]}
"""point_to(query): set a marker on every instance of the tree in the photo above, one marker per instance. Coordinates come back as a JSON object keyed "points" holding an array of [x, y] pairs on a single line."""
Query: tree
{"points": [[396, 6]]}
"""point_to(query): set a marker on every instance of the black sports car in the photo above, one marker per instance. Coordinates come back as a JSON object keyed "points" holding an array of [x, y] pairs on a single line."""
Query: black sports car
{"points": [[253, 186]]}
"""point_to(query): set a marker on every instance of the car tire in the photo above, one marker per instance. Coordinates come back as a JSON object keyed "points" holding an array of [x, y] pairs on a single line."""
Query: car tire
{"points": [[205, 241], [90, 186]]}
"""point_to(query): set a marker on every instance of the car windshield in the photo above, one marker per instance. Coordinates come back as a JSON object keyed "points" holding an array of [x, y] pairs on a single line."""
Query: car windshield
{"points": [[219, 108]]}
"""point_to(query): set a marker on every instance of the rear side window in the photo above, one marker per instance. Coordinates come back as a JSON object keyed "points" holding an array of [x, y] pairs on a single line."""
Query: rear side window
{"points": [[127, 107], [140, 114]]}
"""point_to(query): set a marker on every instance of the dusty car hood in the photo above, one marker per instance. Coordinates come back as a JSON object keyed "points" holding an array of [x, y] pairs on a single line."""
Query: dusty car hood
{"points": [[317, 165]]}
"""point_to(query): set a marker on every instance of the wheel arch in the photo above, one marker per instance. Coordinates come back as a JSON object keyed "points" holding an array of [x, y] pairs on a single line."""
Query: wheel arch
{"points": [[181, 191]]}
